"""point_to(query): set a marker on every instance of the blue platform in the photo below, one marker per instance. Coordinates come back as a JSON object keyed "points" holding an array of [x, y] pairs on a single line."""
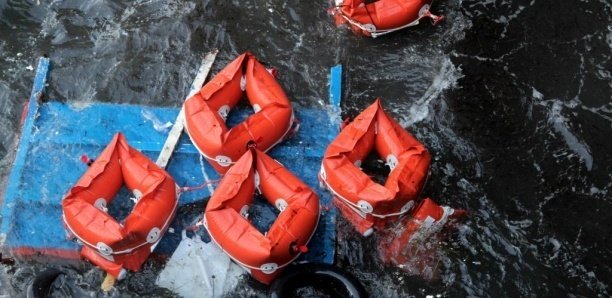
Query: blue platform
{"points": [[55, 135]]}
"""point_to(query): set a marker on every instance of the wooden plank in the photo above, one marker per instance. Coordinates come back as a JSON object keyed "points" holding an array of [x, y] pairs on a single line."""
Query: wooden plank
{"points": [[179, 123]]}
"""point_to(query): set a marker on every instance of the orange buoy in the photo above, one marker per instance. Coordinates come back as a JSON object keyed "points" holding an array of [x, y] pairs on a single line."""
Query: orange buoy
{"points": [[207, 110], [112, 245], [226, 215], [375, 18], [362, 201]]}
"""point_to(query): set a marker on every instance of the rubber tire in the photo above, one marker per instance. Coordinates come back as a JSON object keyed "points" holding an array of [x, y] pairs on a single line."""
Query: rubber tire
{"points": [[338, 282], [42, 282]]}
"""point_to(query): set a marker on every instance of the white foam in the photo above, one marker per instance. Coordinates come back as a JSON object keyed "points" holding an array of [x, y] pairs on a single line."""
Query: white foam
{"points": [[560, 124], [536, 94], [609, 36], [80, 105], [158, 125], [446, 78]]}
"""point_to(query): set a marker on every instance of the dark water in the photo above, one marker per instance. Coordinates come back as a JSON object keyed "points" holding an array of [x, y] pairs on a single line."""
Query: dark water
{"points": [[513, 99]]}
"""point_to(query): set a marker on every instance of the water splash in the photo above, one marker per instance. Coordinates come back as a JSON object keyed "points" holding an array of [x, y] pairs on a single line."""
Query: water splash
{"points": [[446, 78]]}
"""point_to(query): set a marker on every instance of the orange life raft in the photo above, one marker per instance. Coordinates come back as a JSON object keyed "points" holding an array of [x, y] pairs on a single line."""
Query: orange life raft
{"points": [[115, 246], [225, 218], [362, 201], [207, 110], [374, 18]]}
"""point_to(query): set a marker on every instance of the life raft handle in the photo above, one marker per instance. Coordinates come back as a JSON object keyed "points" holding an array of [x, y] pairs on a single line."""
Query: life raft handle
{"points": [[435, 19], [345, 122], [273, 71], [251, 144], [86, 160], [296, 248]]}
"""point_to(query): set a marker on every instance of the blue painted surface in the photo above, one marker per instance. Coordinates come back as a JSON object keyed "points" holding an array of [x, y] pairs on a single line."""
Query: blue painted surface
{"points": [[335, 85], [55, 136], [14, 180]]}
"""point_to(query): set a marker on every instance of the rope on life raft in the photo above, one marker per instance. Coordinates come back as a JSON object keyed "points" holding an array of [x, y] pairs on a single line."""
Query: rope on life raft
{"points": [[370, 28], [205, 184]]}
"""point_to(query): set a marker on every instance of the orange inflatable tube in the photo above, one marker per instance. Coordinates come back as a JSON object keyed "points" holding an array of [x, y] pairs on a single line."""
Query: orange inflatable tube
{"points": [[362, 201], [225, 218], [207, 110], [112, 245], [374, 18]]}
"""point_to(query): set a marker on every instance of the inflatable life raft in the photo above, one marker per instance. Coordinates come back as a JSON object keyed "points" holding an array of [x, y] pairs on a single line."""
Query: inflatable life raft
{"points": [[362, 201], [112, 245], [207, 110], [378, 17], [226, 215]]}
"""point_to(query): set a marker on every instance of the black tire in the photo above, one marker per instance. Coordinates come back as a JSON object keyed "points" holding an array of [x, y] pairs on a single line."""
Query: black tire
{"points": [[327, 280], [42, 283]]}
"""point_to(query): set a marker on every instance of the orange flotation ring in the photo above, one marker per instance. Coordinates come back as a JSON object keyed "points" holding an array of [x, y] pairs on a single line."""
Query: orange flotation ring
{"points": [[362, 201], [115, 246], [225, 218], [207, 110], [378, 17]]}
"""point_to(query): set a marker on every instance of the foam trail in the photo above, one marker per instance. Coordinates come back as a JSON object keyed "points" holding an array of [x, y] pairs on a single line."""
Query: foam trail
{"points": [[559, 123], [446, 78]]}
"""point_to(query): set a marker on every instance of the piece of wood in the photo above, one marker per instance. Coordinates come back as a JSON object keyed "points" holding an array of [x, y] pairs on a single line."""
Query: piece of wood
{"points": [[108, 283], [179, 123]]}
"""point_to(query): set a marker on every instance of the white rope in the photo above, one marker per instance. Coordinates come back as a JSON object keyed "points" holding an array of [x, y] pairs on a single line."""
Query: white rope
{"points": [[387, 31], [211, 189], [377, 33]]}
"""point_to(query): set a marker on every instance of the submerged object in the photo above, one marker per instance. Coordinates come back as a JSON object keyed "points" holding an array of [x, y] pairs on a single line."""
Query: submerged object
{"points": [[207, 111], [112, 245], [362, 201], [375, 18], [406, 244], [326, 280], [226, 215]]}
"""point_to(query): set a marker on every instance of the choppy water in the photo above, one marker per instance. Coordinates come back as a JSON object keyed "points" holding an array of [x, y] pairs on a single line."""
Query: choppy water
{"points": [[513, 99]]}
